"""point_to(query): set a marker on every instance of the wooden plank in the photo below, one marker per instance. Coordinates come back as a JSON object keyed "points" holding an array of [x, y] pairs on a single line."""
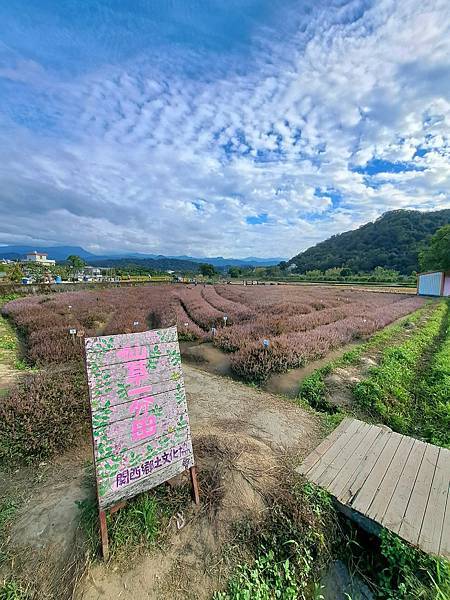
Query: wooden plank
{"points": [[146, 483], [361, 501], [356, 482], [345, 457], [194, 483], [433, 521], [140, 439], [444, 548], [340, 482], [99, 400], [390, 479], [396, 509], [148, 352], [148, 432], [315, 455], [326, 459], [393, 472], [108, 342], [115, 387], [158, 404], [412, 521], [104, 534]]}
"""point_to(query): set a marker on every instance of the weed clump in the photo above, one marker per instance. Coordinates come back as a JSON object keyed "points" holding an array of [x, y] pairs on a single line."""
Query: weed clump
{"points": [[13, 590], [141, 525], [288, 550], [410, 573]]}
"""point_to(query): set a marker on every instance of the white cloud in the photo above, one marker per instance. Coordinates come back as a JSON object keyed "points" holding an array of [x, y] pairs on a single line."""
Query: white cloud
{"points": [[119, 157]]}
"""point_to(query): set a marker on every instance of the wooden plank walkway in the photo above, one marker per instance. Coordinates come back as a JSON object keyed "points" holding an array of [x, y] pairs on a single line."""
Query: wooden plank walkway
{"points": [[394, 480]]}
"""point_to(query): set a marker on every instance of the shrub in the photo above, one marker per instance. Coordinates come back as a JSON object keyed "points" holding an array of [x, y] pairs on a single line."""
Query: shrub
{"points": [[301, 323], [43, 414]]}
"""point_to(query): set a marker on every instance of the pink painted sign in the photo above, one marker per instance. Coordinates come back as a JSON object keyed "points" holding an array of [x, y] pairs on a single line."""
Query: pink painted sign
{"points": [[139, 413]]}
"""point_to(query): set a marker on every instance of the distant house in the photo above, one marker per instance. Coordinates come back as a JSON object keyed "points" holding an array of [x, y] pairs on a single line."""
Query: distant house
{"points": [[41, 258], [434, 283], [92, 273]]}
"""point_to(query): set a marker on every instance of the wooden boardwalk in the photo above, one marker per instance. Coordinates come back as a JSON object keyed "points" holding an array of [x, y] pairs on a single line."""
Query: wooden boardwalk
{"points": [[393, 480]]}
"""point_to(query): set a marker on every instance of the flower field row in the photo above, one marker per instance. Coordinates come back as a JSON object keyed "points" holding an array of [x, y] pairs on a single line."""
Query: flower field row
{"points": [[298, 323]]}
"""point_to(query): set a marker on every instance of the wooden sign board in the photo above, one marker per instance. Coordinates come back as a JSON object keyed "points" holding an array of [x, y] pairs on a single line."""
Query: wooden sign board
{"points": [[140, 423]]}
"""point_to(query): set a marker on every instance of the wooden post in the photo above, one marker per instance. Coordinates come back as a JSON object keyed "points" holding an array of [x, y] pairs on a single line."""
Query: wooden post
{"points": [[194, 482], [104, 534]]}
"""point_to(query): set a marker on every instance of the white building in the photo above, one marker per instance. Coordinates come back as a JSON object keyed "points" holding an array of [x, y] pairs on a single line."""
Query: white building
{"points": [[39, 257]]}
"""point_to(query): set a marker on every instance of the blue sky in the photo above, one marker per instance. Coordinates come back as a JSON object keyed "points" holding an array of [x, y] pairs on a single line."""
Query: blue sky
{"points": [[204, 127]]}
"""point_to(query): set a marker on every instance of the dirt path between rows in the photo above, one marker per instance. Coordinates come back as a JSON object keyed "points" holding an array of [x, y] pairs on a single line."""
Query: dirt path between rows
{"points": [[241, 433], [223, 403]]}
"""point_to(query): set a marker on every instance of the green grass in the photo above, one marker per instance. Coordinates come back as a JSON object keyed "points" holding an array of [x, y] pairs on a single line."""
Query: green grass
{"points": [[392, 391], [409, 573], [8, 508], [8, 342], [313, 389], [433, 393], [289, 552], [408, 390], [12, 590], [140, 525], [9, 345]]}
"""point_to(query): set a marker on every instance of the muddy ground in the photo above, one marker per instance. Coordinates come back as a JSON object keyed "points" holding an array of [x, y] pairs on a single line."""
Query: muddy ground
{"points": [[241, 433], [209, 358]]}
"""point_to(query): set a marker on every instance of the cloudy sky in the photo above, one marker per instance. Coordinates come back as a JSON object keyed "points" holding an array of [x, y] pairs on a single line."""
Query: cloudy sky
{"points": [[212, 127]]}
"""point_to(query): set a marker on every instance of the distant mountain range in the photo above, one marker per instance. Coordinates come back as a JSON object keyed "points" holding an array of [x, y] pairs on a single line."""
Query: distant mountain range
{"points": [[60, 253], [393, 241]]}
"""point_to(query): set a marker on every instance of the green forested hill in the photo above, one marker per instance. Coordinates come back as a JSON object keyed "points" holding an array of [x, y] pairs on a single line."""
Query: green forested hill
{"points": [[392, 241]]}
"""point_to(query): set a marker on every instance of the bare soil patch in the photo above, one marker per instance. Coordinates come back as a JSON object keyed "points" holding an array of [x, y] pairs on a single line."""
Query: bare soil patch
{"points": [[207, 357], [223, 403], [287, 384], [44, 546]]}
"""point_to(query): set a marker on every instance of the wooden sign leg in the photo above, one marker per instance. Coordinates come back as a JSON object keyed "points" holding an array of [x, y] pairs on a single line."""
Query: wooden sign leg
{"points": [[194, 482], [104, 535]]}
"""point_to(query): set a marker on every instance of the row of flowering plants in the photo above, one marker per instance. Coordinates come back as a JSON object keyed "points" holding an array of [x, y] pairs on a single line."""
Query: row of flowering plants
{"points": [[299, 322], [256, 361]]}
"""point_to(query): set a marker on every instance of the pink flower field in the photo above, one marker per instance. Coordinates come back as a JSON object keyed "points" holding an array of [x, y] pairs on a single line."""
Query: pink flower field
{"points": [[268, 329]]}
